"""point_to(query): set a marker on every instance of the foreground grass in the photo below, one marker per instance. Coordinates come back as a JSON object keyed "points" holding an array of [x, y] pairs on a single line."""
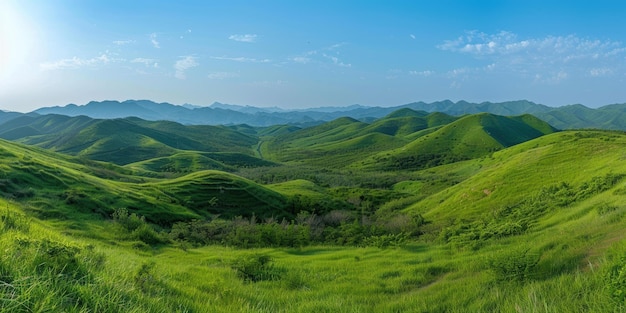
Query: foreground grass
{"points": [[42, 270], [569, 256]]}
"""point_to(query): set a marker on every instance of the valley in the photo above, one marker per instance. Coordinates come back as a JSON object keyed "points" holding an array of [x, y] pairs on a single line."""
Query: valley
{"points": [[412, 211]]}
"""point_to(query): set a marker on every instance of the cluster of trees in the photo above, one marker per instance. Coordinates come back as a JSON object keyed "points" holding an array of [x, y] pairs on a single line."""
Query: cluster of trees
{"points": [[335, 227]]}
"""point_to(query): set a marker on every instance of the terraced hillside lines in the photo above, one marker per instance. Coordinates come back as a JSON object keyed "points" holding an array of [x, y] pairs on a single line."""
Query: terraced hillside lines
{"points": [[469, 137], [218, 193], [53, 185], [186, 162]]}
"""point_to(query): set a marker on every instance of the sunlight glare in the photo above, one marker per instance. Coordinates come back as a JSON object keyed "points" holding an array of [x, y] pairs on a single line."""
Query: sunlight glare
{"points": [[17, 40]]}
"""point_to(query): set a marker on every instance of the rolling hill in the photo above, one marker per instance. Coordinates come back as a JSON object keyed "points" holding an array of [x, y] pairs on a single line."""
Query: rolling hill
{"points": [[511, 216], [123, 141], [469, 137], [53, 185]]}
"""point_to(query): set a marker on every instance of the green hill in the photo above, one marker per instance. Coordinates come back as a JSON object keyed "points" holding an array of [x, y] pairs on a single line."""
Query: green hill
{"points": [[123, 141], [535, 226], [343, 141], [192, 161], [406, 112], [52, 185], [469, 137], [219, 193], [407, 125]]}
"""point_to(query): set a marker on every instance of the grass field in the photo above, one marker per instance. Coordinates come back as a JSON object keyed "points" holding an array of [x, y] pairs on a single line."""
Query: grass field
{"points": [[530, 227]]}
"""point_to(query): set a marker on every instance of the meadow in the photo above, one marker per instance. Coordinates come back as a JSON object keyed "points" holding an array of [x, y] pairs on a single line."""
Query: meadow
{"points": [[497, 223]]}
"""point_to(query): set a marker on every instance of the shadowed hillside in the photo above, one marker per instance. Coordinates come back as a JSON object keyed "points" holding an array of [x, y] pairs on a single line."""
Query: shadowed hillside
{"points": [[123, 141]]}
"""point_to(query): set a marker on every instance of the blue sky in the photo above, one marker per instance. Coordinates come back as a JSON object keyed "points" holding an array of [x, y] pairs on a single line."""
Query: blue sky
{"points": [[297, 54]]}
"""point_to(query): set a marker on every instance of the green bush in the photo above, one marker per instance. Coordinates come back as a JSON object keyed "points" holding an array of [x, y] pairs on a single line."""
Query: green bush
{"points": [[127, 221], [257, 267], [136, 227], [148, 235], [514, 265]]}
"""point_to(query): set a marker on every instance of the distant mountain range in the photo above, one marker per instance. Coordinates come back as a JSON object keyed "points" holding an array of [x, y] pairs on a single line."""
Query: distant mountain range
{"points": [[565, 117]]}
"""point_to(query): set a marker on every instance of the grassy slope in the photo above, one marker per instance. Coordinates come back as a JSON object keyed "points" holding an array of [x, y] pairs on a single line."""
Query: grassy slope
{"points": [[185, 162], [575, 245], [469, 137], [513, 174], [344, 141], [65, 188], [234, 195], [124, 141]]}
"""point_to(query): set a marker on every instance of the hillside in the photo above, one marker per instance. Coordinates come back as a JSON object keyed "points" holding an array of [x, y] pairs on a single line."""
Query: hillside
{"points": [[469, 137], [411, 211], [123, 141], [56, 186], [543, 217], [346, 140]]}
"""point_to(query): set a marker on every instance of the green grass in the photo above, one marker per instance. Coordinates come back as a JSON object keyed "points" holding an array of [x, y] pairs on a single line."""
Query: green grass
{"points": [[534, 227], [470, 137]]}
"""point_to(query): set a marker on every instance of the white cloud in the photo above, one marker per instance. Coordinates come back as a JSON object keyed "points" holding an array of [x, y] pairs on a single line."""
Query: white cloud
{"points": [[222, 75], [270, 83], [146, 62], [598, 72], [75, 63], [153, 40], [322, 55], [183, 65], [242, 59], [422, 73], [301, 59], [336, 60], [506, 43], [123, 42], [549, 59], [243, 38]]}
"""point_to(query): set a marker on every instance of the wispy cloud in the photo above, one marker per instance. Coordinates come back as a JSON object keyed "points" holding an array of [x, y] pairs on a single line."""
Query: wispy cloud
{"points": [[301, 59], [153, 40], [270, 83], [422, 73], [222, 75], [146, 62], [322, 55], [336, 60], [506, 43], [182, 65], [243, 38], [412, 36], [242, 59], [123, 42], [598, 72], [551, 58], [75, 63]]}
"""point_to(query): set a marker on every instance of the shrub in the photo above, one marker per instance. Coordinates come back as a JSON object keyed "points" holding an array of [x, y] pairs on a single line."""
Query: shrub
{"points": [[129, 222], [257, 267], [148, 235], [516, 265]]}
